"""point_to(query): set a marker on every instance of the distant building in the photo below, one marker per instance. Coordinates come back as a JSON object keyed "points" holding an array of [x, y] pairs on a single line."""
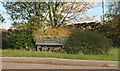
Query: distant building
{"points": [[86, 25]]}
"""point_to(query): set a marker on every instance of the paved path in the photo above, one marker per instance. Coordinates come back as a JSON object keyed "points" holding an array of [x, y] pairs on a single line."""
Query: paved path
{"points": [[56, 63], [46, 66]]}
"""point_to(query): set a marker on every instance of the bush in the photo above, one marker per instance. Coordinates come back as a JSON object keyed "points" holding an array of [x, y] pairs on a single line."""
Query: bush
{"points": [[87, 42], [20, 41], [5, 40], [111, 31]]}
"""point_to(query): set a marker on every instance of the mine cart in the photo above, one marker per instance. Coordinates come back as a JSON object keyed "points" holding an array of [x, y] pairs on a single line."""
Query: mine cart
{"points": [[54, 44]]}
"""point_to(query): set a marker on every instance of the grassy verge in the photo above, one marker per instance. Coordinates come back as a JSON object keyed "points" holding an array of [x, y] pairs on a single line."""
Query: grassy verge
{"points": [[113, 55]]}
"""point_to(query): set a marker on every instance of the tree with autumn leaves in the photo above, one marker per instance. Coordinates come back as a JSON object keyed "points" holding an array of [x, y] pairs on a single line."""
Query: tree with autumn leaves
{"points": [[33, 15]]}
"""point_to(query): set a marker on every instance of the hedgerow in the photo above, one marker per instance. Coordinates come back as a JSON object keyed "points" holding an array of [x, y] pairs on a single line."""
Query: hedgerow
{"points": [[87, 42]]}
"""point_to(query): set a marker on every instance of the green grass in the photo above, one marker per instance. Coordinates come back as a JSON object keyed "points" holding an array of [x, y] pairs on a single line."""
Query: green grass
{"points": [[113, 55]]}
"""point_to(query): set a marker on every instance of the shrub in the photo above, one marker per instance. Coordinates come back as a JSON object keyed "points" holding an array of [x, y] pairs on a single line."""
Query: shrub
{"points": [[20, 41], [88, 42], [5, 40], [111, 31]]}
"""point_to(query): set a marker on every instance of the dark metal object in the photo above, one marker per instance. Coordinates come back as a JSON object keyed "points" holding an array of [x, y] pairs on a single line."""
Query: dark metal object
{"points": [[50, 43]]}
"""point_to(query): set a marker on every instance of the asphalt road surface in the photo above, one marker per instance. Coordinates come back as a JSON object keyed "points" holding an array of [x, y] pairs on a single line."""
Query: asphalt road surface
{"points": [[6, 65]]}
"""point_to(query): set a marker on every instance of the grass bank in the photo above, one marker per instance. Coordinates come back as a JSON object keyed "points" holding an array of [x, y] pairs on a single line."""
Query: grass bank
{"points": [[113, 55]]}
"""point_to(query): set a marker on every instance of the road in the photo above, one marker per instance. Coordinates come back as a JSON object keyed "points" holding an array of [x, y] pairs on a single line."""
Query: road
{"points": [[6, 65], [55, 63]]}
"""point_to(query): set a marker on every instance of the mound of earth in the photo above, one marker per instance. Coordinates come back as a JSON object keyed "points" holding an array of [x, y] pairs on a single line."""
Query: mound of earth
{"points": [[53, 32]]}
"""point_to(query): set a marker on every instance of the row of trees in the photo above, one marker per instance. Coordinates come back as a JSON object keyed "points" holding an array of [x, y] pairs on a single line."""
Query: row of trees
{"points": [[111, 26], [54, 14], [30, 16], [33, 15]]}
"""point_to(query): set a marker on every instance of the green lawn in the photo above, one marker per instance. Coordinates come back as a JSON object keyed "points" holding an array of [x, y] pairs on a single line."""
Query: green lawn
{"points": [[113, 55]]}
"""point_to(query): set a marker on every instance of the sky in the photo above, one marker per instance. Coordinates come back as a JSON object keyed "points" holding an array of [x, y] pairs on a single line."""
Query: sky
{"points": [[96, 11], [3, 11]]}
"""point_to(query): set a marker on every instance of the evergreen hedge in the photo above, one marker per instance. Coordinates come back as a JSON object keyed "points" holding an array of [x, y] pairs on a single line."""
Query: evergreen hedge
{"points": [[20, 41], [87, 42]]}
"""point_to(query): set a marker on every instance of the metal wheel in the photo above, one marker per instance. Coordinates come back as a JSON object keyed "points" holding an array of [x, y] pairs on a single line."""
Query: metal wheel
{"points": [[58, 49], [44, 48], [39, 48]]}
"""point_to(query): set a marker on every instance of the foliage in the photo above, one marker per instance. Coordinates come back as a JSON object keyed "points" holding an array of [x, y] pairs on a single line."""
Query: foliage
{"points": [[22, 27], [20, 41], [4, 40], [52, 32], [87, 42], [111, 31], [113, 55], [42, 14], [112, 24], [1, 18], [113, 15]]}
